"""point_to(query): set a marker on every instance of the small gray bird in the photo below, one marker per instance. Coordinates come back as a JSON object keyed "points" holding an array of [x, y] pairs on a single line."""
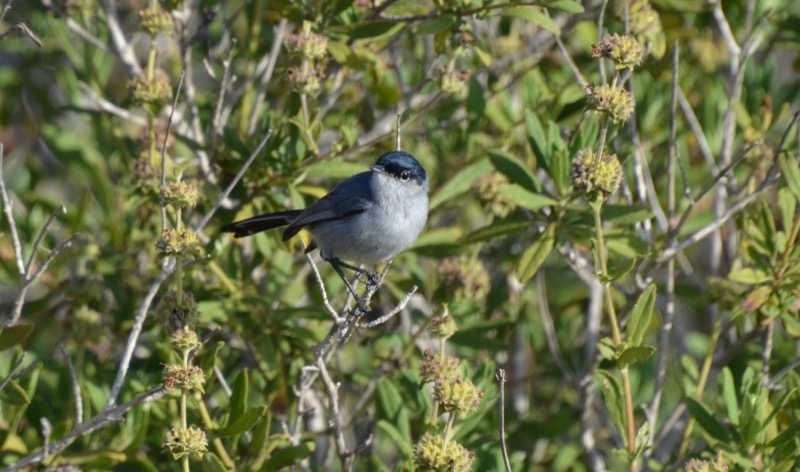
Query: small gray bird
{"points": [[367, 219]]}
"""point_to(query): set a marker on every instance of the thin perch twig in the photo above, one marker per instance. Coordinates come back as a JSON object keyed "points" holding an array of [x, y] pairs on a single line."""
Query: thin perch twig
{"points": [[501, 402]]}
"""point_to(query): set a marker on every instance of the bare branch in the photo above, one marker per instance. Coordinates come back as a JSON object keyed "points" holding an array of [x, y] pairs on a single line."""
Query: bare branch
{"points": [[574, 68], [164, 147], [13, 371], [345, 456], [25, 31], [336, 318], [397, 309], [216, 120], [76, 387], [224, 195], [107, 417], [133, 338], [61, 210], [501, 404], [274, 52], [669, 316], [122, 47], [76, 28], [12, 225]]}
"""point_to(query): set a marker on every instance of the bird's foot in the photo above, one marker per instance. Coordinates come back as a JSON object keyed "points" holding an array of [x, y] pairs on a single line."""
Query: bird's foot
{"points": [[362, 305], [370, 279]]}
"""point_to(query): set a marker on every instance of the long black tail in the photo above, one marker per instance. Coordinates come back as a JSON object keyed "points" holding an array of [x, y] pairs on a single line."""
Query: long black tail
{"points": [[261, 223]]}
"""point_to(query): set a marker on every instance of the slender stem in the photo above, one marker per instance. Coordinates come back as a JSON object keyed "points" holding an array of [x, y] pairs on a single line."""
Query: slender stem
{"points": [[219, 448], [501, 378], [151, 59], [448, 430], [178, 268], [701, 383], [615, 331], [603, 133]]}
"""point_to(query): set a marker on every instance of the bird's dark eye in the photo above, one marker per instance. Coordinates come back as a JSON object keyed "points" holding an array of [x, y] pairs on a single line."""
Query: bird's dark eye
{"points": [[405, 176]]}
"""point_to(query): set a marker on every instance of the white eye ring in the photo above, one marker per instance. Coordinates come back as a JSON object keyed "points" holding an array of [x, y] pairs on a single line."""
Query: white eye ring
{"points": [[405, 176]]}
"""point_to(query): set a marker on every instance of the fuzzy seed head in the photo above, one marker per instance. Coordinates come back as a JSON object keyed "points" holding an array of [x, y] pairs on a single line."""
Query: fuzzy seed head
{"points": [[154, 21], [186, 441], [184, 243], [617, 103], [185, 339], [443, 326], [625, 51], [590, 175], [307, 44], [434, 453], [433, 368], [189, 378], [458, 395], [175, 317]]}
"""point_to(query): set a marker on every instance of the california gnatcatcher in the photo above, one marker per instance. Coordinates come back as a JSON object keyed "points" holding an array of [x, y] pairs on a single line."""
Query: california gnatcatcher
{"points": [[367, 219]]}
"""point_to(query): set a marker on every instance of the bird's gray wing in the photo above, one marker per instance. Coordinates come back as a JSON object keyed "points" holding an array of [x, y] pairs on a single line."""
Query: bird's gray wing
{"points": [[350, 198]]}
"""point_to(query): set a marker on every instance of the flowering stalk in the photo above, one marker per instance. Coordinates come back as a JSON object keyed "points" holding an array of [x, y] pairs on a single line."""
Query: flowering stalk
{"points": [[630, 432], [598, 176], [451, 393]]}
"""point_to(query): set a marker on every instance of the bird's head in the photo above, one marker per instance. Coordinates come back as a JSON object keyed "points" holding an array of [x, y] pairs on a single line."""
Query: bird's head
{"points": [[402, 167]]}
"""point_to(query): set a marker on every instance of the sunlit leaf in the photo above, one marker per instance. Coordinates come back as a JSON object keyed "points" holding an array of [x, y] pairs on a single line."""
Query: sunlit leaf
{"points": [[641, 315], [535, 255]]}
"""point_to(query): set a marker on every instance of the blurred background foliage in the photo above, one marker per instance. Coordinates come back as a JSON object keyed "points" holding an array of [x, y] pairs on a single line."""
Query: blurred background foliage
{"points": [[491, 107]]}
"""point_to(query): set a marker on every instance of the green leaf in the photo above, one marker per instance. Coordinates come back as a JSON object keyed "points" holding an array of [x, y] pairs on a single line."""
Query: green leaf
{"points": [[461, 182], [787, 435], [569, 6], [625, 214], [534, 15], [791, 173], [625, 243], [515, 171], [212, 463], [244, 423], [241, 390], [749, 276], [607, 349], [561, 165], [14, 394], [634, 355], [756, 298], [438, 237], [344, 54], [613, 399], [535, 255], [398, 438], [641, 315], [370, 29], [496, 230], [537, 139], [436, 25], [14, 335], [524, 198], [778, 406], [208, 359], [289, 455], [618, 271], [787, 204], [729, 395], [390, 407], [707, 421]]}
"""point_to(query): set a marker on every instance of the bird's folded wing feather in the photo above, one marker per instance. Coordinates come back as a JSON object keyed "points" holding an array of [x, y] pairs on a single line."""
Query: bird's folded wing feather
{"points": [[352, 197]]}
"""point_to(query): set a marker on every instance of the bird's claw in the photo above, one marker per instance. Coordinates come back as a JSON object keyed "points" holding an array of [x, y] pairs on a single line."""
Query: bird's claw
{"points": [[362, 305], [370, 279]]}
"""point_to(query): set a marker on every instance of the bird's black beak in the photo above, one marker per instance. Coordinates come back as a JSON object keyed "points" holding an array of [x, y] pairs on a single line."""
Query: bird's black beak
{"points": [[378, 169]]}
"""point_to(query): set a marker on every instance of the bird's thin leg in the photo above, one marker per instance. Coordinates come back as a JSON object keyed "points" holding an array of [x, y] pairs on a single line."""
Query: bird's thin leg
{"points": [[337, 266], [372, 277]]}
